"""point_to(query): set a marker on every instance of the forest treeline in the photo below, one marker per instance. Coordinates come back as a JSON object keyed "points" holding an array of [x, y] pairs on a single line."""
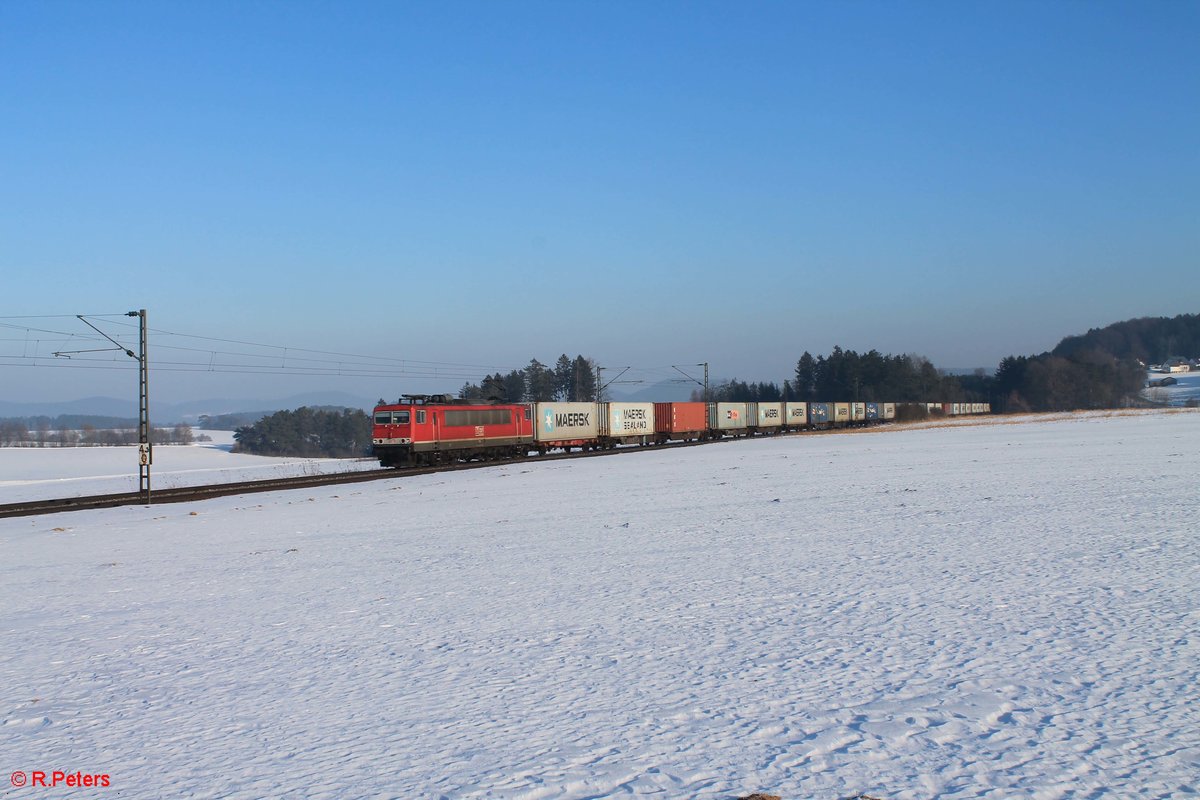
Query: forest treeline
{"points": [[569, 380], [1086, 379], [229, 422], [1151, 340], [1099, 369], [15, 433], [307, 433], [73, 422], [1104, 368], [849, 375]]}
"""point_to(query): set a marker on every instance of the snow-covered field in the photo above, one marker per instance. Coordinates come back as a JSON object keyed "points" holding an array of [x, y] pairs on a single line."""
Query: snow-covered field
{"points": [[964, 611], [1187, 387], [32, 473]]}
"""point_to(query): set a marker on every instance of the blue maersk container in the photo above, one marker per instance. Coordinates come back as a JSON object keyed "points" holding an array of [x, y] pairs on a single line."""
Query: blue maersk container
{"points": [[820, 413], [874, 412]]}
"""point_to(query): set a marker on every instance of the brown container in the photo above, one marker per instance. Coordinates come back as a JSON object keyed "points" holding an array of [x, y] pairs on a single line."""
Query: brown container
{"points": [[676, 419]]}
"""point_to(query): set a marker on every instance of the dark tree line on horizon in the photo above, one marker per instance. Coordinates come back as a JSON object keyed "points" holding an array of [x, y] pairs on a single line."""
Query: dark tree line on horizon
{"points": [[1088, 379], [1104, 368], [1151, 340], [14, 433], [845, 375], [307, 433]]}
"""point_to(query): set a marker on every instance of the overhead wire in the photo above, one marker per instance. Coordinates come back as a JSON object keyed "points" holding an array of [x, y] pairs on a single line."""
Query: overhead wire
{"points": [[247, 357], [271, 359]]}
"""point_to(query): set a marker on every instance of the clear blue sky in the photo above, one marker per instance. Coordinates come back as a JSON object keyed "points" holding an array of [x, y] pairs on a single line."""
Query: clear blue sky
{"points": [[644, 183]]}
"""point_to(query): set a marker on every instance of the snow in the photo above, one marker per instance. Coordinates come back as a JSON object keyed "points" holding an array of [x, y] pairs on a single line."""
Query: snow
{"points": [[968, 610], [35, 473]]}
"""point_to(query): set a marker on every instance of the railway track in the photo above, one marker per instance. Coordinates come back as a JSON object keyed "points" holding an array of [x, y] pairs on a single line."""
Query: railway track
{"points": [[187, 493], [192, 493]]}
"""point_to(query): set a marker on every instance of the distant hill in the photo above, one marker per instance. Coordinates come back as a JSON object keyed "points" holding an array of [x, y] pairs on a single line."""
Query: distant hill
{"points": [[73, 422], [88, 406], [1150, 339], [189, 412], [666, 391]]}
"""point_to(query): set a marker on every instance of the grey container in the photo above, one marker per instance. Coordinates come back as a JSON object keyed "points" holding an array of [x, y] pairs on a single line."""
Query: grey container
{"points": [[728, 416]]}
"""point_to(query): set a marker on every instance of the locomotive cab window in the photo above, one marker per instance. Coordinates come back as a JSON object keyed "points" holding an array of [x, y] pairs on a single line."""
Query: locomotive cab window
{"points": [[420, 417], [400, 417], [383, 418]]}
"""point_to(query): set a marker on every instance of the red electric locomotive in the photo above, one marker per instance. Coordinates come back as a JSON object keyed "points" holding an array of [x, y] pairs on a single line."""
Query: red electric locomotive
{"points": [[429, 429]]}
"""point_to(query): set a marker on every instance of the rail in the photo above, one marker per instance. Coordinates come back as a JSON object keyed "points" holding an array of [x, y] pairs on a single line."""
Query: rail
{"points": [[186, 494]]}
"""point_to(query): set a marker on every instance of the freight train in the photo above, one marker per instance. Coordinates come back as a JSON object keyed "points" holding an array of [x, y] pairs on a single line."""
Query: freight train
{"points": [[423, 430]]}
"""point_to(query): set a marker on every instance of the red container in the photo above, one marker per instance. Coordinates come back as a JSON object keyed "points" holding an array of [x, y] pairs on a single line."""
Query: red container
{"points": [[680, 420]]}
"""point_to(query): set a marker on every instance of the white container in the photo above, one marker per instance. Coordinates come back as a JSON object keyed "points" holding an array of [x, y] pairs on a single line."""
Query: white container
{"points": [[795, 414], [770, 415], [621, 420], [564, 422]]}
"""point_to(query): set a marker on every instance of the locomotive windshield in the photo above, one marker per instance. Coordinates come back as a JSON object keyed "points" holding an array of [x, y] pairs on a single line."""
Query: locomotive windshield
{"points": [[391, 417]]}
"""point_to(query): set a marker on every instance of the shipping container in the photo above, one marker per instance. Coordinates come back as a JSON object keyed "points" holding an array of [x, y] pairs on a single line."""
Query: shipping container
{"points": [[768, 415], [820, 415], [729, 416], [566, 422], [873, 412], [627, 421], [841, 413], [687, 421], [795, 415], [889, 411]]}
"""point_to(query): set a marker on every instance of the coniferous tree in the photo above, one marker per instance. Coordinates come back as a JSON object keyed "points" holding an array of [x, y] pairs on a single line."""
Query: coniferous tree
{"points": [[563, 374], [583, 380]]}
